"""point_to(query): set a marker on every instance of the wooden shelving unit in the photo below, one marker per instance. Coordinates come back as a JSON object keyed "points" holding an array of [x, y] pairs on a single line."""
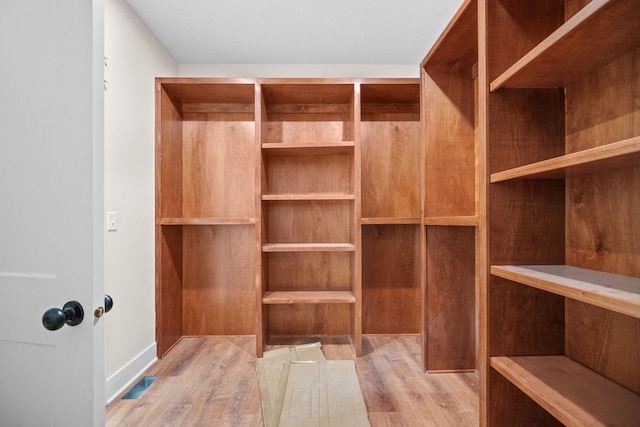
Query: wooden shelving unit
{"points": [[310, 205], [560, 308], [451, 212], [390, 219], [206, 212], [259, 208]]}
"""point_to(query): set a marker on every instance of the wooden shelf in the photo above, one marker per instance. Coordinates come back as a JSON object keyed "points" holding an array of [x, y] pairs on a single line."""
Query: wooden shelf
{"points": [[610, 291], [606, 157], [286, 149], [208, 221], [389, 221], [308, 247], [602, 31], [319, 296], [307, 196], [455, 221], [575, 395]]}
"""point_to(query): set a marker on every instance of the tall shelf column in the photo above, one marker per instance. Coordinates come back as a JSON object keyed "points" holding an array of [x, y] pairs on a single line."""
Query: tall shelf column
{"points": [[451, 198], [562, 292], [310, 209], [205, 208], [390, 223]]}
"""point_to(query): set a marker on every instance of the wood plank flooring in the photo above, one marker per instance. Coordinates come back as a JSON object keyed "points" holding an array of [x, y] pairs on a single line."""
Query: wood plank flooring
{"points": [[211, 381]]}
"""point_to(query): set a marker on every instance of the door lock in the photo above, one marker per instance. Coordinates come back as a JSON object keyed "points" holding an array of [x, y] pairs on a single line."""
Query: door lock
{"points": [[108, 305]]}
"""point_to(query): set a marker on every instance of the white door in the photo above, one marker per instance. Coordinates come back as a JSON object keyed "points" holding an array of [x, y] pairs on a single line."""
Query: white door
{"points": [[51, 211]]}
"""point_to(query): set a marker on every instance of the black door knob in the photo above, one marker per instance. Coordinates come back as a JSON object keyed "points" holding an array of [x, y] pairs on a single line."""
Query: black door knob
{"points": [[55, 318], [108, 303]]}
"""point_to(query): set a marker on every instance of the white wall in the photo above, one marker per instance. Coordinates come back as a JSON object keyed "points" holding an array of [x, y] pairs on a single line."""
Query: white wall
{"points": [[135, 58], [299, 70]]}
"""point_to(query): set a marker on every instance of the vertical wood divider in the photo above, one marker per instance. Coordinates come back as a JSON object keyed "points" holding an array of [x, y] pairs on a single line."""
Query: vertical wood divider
{"points": [[356, 331], [423, 229], [259, 282], [482, 256]]}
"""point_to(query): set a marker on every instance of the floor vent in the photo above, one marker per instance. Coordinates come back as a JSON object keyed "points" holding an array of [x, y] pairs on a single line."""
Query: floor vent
{"points": [[137, 390]]}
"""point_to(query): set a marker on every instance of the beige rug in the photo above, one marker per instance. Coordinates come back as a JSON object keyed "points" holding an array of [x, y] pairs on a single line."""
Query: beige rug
{"points": [[300, 388]]}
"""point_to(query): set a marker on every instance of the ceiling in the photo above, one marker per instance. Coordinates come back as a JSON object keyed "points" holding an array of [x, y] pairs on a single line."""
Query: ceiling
{"points": [[296, 31]]}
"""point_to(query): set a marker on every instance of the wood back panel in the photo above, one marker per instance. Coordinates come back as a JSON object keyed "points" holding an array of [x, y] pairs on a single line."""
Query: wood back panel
{"points": [[168, 158], [300, 174], [524, 321], [527, 222], [450, 299], [309, 320], [218, 169], [169, 257], [218, 280], [287, 130], [603, 107], [510, 406], [450, 173], [390, 169], [604, 341], [308, 270], [391, 294], [309, 222], [514, 28], [525, 126], [603, 221]]}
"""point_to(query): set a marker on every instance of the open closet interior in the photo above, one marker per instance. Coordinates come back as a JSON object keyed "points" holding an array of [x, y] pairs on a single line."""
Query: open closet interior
{"points": [[491, 206]]}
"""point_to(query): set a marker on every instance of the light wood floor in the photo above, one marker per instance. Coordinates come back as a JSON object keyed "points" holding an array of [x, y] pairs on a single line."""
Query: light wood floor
{"points": [[212, 381]]}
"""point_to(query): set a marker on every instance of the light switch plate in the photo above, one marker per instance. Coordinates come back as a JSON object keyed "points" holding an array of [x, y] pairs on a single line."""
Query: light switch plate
{"points": [[112, 221]]}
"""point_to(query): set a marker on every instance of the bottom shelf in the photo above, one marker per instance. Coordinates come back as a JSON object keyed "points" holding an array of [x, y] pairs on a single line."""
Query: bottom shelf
{"points": [[321, 296], [572, 393]]}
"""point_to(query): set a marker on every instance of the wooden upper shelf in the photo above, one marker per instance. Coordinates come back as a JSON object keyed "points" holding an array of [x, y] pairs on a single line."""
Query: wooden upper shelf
{"points": [[303, 92], [201, 91], [602, 31], [610, 291], [615, 155]]}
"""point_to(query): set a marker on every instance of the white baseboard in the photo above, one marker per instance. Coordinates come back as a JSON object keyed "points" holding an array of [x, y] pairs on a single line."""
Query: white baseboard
{"points": [[122, 379]]}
